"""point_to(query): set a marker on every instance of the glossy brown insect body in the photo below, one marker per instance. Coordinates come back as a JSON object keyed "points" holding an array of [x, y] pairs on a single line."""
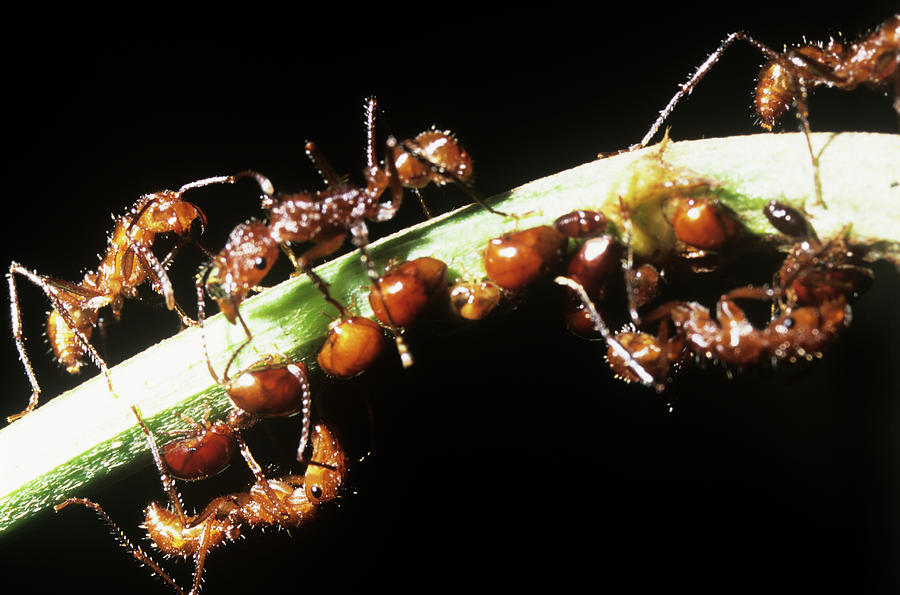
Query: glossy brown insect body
{"points": [[324, 218], [288, 501], [702, 223], [351, 345], [405, 290], [474, 300], [515, 260], [127, 264], [205, 451], [789, 76], [814, 272], [270, 387]]}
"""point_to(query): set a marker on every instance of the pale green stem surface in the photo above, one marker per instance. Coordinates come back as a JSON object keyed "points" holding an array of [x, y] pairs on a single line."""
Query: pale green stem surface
{"points": [[86, 433]]}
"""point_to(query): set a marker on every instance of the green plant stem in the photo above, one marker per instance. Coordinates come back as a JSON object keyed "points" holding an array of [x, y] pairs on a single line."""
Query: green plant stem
{"points": [[86, 433]]}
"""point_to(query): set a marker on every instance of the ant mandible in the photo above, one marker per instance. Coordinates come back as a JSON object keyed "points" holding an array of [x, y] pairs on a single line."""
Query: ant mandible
{"points": [[288, 501], [127, 263], [788, 77]]}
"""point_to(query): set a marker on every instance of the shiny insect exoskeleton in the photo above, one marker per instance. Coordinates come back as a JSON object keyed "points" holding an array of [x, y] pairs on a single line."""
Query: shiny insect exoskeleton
{"points": [[288, 501], [203, 451], [351, 345], [406, 289], [127, 263], [325, 217], [515, 260], [788, 77]]}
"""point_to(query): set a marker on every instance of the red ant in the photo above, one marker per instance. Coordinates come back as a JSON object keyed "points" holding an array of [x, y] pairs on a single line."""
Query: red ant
{"points": [[351, 345], [592, 275], [406, 289], [205, 451], [287, 501], [813, 284], [789, 76], [270, 387], [127, 264], [515, 260], [325, 217]]}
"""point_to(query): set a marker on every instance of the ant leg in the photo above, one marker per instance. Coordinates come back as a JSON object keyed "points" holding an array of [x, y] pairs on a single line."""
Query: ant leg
{"points": [[317, 251], [321, 164], [168, 484], [800, 105], [371, 106], [258, 474], [135, 550], [361, 239], [200, 557], [600, 326], [60, 307], [201, 316], [19, 338], [687, 87]]}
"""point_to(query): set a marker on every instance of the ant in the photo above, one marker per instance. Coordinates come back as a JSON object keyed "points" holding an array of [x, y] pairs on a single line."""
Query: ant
{"points": [[788, 77], [351, 345], [326, 217], [270, 387], [515, 260], [813, 285], [287, 501], [203, 452], [406, 289], [127, 264], [592, 275]]}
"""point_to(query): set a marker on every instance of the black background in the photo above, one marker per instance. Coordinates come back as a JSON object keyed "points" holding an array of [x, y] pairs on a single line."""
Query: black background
{"points": [[507, 457]]}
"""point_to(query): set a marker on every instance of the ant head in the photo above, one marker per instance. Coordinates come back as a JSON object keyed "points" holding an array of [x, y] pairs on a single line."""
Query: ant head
{"points": [[246, 259], [327, 469]]}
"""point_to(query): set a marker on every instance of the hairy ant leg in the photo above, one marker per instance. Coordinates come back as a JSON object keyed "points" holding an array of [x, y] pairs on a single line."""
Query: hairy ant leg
{"points": [[632, 356], [68, 329]]}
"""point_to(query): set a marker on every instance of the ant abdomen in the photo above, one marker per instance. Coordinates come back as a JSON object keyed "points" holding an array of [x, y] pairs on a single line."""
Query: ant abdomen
{"points": [[427, 157], [788, 220], [405, 290], [273, 390], [515, 260], [68, 349], [702, 223], [351, 346], [205, 453], [474, 300], [581, 223]]}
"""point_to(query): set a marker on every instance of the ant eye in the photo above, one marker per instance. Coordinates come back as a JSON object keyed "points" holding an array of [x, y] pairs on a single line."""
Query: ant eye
{"points": [[260, 263], [316, 491]]}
